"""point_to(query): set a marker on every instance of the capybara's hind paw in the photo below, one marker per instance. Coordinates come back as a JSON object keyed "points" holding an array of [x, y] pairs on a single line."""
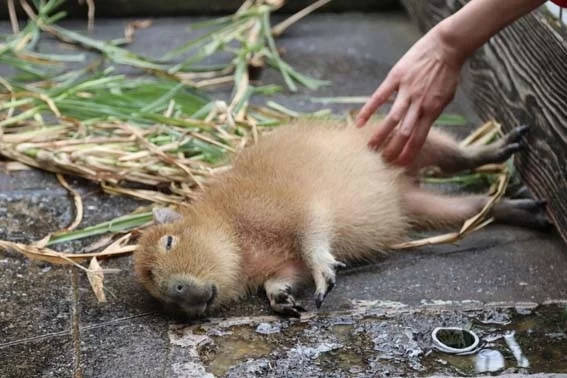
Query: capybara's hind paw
{"points": [[525, 212], [281, 299], [510, 143], [283, 302]]}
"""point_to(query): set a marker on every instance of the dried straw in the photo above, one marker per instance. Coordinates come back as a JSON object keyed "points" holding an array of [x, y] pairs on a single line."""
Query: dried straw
{"points": [[13, 17], [54, 257], [95, 276], [77, 201], [279, 29], [130, 29]]}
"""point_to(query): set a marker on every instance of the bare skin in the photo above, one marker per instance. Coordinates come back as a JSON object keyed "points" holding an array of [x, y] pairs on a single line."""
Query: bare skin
{"points": [[425, 79]]}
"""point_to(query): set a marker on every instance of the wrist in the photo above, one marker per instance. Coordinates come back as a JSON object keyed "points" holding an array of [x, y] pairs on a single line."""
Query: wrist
{"points": [[452, 47], [462, 33]]}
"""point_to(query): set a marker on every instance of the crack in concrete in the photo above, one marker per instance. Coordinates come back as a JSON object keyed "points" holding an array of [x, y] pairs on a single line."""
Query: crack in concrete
{"points": [[72, 331], [114, 321], [77, 371], [166, 361], [34, 338]]}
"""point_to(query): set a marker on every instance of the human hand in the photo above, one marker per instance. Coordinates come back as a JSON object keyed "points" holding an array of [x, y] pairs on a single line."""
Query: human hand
{"points": [[425, 80]]}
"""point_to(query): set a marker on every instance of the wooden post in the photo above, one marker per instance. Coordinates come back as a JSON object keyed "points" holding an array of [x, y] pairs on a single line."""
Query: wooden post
{"points": [[520, 77]]}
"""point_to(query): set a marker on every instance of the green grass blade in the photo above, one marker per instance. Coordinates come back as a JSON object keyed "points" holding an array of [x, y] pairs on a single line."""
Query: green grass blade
{"points": [[121, 224], [447, 119]]}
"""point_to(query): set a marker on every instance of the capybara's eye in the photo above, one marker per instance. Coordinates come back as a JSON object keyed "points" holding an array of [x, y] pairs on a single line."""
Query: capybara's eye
{"points": [[168, 242]]}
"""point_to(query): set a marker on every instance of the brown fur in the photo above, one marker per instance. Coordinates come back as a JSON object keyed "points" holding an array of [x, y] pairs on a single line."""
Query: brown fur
{"points": [[305, 180]]}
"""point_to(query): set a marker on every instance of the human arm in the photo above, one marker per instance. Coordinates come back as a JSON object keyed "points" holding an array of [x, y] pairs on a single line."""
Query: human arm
{"points": [[426, 77]]}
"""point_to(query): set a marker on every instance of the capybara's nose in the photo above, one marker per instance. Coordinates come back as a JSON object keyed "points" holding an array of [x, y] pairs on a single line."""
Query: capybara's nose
{"points": [[189, 292]]}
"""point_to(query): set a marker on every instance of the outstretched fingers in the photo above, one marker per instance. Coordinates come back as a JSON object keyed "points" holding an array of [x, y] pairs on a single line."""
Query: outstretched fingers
{"points": [[402, 134], [392, 120], [379, 98], [415, 142]]}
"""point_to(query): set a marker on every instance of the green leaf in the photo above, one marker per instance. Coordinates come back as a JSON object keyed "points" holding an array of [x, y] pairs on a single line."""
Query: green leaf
{"points": [[121, 224], [446, 119]]}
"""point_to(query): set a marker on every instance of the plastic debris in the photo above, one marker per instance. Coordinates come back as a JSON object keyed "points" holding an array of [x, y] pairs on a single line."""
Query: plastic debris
{"points": [[489, 360], [454, 340], [267, 328], [516, 350]]}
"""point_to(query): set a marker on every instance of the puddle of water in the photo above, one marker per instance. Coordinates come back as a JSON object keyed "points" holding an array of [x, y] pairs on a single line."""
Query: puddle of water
{"points": [[544, 339], [380, 346], [541, 335], [240, 344], [461, 365], [354, 353]]}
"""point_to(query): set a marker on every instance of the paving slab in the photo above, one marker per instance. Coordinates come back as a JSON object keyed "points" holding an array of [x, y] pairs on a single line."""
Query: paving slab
{"points": [[47, 308], [41, 357], [134, 347], [125, 299], [35, 300]]}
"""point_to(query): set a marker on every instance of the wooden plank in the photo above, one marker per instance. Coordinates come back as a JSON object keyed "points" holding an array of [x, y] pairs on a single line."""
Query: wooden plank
{"points": [[520, 77]]}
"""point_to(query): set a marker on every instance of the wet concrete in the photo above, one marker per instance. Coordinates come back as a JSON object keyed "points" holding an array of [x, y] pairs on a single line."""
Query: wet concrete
{"points": [[374, 323], [374, 340]]}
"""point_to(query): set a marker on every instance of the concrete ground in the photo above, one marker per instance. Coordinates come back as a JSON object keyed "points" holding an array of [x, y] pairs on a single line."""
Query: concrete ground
{"points": [[376, 322]]}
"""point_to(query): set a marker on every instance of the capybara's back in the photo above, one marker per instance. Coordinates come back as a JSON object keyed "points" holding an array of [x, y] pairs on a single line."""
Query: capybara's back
{"points": [[328, 165]]}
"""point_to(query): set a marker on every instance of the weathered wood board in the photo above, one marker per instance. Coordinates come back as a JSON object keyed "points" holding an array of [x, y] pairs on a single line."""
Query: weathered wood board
{"points": [[520, 77]]}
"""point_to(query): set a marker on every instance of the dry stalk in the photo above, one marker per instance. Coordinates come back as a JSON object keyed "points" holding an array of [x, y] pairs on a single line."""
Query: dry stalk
{"points": [[207, 74], [13, 17], [11, 110], [130, 29], [54, 257], [12, 166], [214, 81], [99, 243], [489, 128], [148, 195], [211, 141], [159, 153], [78, 203], [244, 81], [91, 14], [95, 276], [282, 26]]}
